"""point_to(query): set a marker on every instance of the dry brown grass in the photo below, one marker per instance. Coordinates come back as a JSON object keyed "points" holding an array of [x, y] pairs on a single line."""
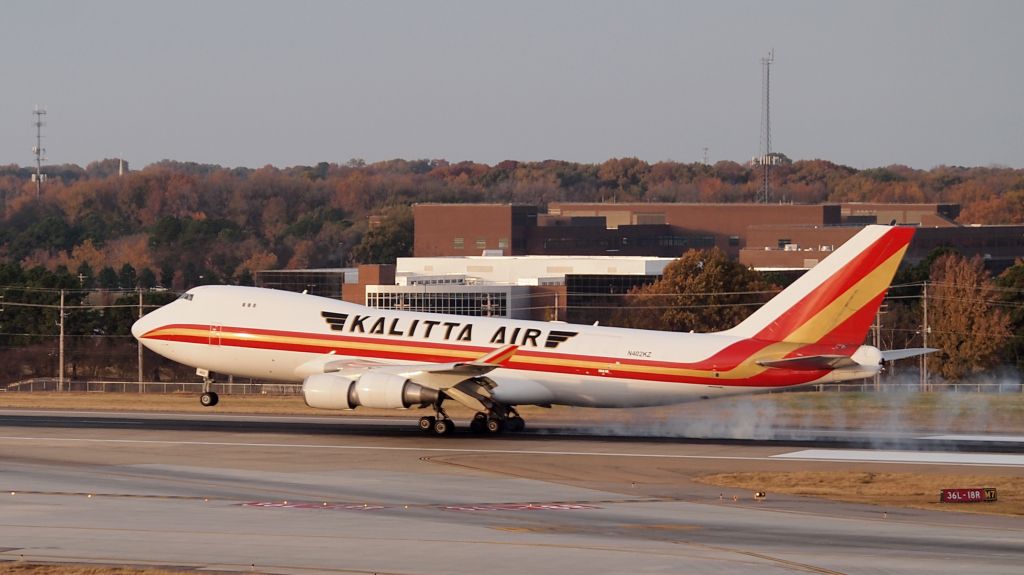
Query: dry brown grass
{"points": [[884, 489], [61, 569]]}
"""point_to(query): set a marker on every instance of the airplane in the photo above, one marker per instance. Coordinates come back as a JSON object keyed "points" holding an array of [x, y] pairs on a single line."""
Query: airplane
{"points": [[350, 356]]}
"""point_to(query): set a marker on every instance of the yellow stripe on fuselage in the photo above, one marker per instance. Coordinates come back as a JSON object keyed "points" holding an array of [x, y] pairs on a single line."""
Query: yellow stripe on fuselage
{"points": [[848, 303]]}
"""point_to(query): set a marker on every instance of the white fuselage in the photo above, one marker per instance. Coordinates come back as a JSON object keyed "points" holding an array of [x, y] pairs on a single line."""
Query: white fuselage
{"points": [[271, 334]]}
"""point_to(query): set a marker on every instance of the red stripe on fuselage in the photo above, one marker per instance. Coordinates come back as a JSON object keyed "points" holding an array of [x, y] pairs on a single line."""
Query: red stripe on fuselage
{"points": [[723, 361]]}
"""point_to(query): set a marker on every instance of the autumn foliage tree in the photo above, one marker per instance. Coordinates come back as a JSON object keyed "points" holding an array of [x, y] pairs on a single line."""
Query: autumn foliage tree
{"points": [[1012, 283], [310, 216], [966, 322], [702, 291]]}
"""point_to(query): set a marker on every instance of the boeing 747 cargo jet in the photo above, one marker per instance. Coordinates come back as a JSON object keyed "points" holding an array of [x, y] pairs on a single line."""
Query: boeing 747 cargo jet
{"points": [[347, 356]]}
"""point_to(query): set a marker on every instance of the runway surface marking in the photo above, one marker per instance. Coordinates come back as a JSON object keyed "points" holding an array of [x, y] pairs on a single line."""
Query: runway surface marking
{"points": [[988, 438], [917, 457], [901, 457], [311, 505], [106, 415], [521, 507]]}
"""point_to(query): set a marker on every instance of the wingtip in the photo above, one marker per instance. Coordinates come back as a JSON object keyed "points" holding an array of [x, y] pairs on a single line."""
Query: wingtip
{"points": [[499, 356]]}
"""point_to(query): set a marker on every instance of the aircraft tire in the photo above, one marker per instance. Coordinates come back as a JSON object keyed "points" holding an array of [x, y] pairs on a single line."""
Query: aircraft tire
{"points": [[444, 427], [427, 423], [516, 424], [495, 426], [209, 399]]}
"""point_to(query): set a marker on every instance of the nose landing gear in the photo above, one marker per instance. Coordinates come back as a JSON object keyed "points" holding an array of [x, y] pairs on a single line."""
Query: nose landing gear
{"points": [[209, 398]]}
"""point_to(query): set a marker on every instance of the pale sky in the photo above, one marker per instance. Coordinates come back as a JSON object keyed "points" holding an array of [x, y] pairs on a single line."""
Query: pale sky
{"points": [[247, 83]]}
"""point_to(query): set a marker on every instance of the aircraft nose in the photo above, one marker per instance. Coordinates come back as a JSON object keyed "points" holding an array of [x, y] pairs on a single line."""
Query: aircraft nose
{"points": [[141, 326]]}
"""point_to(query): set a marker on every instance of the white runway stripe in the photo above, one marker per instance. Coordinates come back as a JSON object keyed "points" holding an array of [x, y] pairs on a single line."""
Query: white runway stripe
{"points": [[913, 457], [982, 438]]}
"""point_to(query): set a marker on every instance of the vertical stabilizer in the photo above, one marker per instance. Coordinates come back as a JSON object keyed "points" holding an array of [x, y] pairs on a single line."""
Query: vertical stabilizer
{"points": [[836, 301]]}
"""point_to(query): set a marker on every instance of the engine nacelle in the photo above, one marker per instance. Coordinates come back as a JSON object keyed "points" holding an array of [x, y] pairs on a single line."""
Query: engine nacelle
{"points": [[371, 389], [326, 391]]}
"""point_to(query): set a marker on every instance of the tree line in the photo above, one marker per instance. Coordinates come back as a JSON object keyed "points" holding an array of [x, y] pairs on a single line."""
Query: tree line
{"points": [[190, 223]]}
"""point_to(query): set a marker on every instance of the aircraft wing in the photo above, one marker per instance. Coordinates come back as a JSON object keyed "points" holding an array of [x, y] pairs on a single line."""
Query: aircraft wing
{"points": [[353, 367], [443, 376], [462, 381]]}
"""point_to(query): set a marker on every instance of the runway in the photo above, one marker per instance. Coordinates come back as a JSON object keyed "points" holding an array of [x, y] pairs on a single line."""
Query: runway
{"points": [[319, 495]]}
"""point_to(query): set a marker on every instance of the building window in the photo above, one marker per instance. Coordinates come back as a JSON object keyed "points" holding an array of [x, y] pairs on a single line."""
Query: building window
{"points": [[502, 243], [734, 241], [458, 243], [481, 244], [490, 304]]}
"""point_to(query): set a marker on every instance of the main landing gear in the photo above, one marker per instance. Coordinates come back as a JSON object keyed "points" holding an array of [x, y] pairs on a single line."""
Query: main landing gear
{"points": [[440, 424], [493, 422], [209, 398]]}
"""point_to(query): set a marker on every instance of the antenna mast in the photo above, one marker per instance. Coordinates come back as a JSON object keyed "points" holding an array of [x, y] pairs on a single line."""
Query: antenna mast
{"points": [[38, 150], [766, 122]]}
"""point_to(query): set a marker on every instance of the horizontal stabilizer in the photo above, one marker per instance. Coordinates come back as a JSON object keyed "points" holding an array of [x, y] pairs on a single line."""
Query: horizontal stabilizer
{"points": [[810, 362], [894, 354]]}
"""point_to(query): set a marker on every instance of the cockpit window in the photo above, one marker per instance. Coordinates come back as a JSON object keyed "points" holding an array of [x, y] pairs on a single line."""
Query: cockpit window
{"points": [[186, 296]]}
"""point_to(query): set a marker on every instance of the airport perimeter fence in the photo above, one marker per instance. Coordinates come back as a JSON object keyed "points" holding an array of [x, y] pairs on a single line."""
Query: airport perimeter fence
{"points": [[869, 386], [52, 384]]}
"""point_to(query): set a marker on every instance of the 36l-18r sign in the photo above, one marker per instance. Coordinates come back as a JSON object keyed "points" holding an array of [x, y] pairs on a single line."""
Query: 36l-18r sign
{"points": [[975, 495]]}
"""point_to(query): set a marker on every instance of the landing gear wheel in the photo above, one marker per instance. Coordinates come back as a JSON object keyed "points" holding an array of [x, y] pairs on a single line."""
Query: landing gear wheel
{"points": [[209, 399], [427, 423], [495, 426], [516, 424], [444, 427]]}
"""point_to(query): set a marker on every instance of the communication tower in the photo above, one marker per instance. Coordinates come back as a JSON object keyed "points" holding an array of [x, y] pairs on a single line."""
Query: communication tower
{"points": [[38, 150], [766, 122]]}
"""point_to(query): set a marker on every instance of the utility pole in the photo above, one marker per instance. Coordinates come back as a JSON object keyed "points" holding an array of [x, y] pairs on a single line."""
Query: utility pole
{"points": [[878, 344], [60, 369], [924, 338], [139, 343], [38, 150]]}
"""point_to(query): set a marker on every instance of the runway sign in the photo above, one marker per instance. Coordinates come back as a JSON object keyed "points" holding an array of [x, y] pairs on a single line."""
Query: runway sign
{"points": [[974, 495]]}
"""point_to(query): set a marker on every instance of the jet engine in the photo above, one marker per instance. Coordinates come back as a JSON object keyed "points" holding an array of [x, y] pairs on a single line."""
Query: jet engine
{"points": [[370, 389]]}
